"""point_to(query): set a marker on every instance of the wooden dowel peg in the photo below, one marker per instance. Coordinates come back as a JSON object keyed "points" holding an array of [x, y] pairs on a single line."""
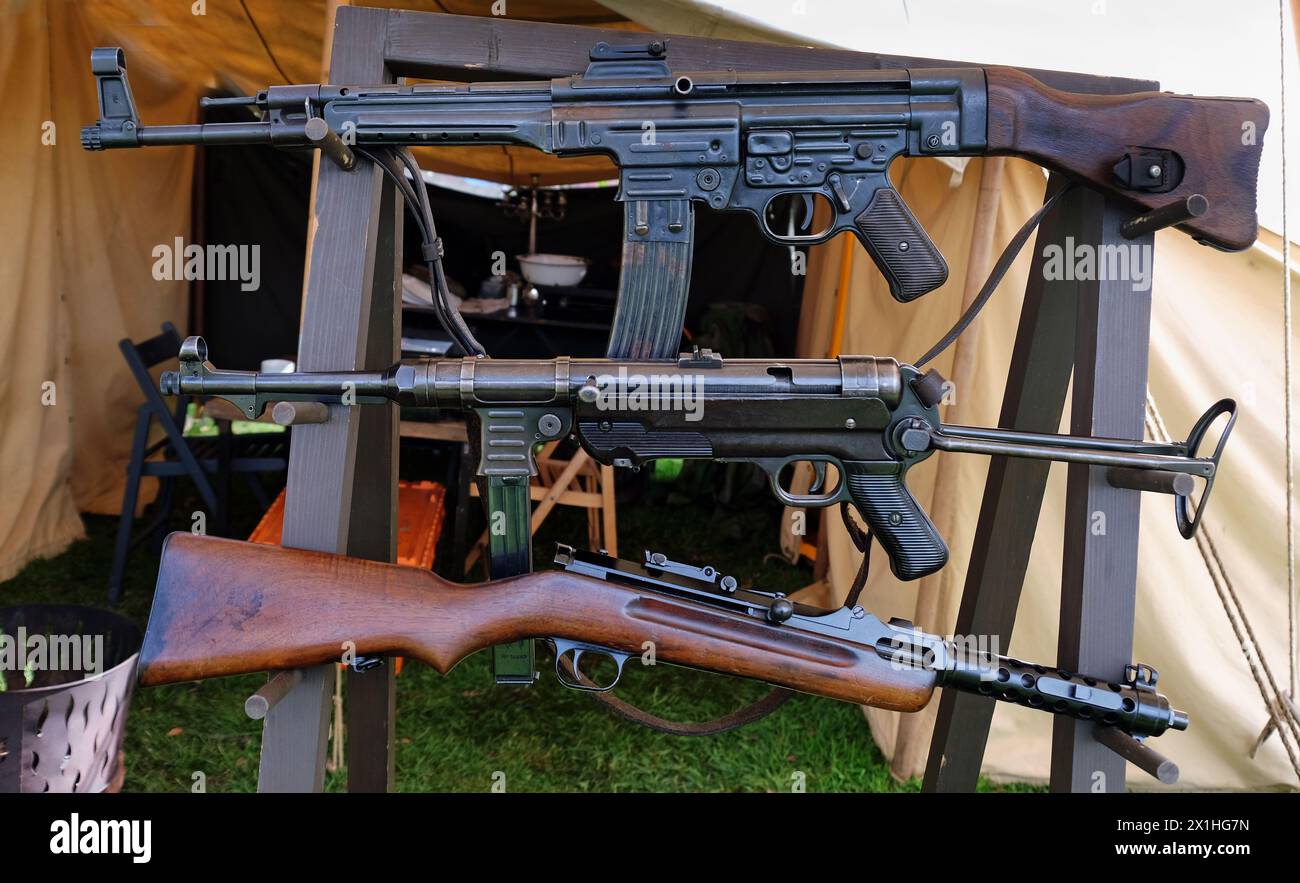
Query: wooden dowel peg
{"points": [[330, 144], [1166, 216], [1147, 759], [1157, 481], [261, 702], [298, 413]]}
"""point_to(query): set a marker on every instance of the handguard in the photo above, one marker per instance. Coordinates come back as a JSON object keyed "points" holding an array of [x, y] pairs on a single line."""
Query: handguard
{"points": [[1133, 706]]}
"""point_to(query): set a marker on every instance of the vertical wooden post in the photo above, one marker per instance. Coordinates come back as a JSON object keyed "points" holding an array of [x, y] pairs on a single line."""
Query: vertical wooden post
{"points": [[337, 502], [1100, 328], [370, 706], [1041, 360], [1099, 567]]}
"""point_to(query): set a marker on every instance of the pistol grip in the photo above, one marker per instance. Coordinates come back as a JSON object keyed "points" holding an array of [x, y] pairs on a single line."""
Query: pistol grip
{"points": [[908, 536], [901, 249]]}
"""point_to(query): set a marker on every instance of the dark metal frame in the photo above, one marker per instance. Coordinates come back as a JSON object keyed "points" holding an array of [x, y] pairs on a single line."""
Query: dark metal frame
{"points": [[340, 502]]}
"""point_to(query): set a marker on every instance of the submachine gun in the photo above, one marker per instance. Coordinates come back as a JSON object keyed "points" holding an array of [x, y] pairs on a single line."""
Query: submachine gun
{"points": [[871, 418], [225, 607]]}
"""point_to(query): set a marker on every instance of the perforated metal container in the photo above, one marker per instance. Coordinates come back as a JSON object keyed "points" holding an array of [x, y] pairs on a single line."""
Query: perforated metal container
{"points": [[61, 729]]}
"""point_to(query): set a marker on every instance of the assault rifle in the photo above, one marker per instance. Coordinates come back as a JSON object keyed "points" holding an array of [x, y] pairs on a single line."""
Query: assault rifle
{"points": [[770, 144], [869, 417], [226, 607]]}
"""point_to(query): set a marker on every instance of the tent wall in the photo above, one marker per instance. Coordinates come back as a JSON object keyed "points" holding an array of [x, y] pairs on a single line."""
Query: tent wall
{"points": [[75, 277]]}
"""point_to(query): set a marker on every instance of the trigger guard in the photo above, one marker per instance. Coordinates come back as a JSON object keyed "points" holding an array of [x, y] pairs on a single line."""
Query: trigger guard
{"points": [[801, 501], [805, 235], [562, 647]]}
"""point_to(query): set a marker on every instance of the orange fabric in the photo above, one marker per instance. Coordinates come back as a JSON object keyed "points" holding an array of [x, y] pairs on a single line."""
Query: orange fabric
{"points": [[421, 511]]}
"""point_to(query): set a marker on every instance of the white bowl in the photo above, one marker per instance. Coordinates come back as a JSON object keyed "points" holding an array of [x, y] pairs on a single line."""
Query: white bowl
{"points": [[552, 269]]}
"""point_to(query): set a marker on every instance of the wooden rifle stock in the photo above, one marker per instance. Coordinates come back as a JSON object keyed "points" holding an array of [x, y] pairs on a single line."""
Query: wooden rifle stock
{"points": [[1217, 139], [226, 607]]}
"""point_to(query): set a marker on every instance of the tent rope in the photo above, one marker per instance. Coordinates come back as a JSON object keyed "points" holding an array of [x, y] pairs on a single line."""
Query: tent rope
{"points": [[1288, 727], [266, 46], [1286, 368]]}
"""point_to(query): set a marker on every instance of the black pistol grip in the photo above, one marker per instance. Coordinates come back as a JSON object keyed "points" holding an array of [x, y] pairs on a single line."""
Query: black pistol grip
{"points": [[901, 249], [908, 536]]}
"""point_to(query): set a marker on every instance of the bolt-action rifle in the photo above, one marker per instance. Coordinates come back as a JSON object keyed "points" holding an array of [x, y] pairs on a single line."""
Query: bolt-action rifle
{"points": [[226, 607], [869, 417]]}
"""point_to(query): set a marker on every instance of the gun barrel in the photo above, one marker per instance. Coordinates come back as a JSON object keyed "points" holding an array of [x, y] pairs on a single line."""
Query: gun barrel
{"points": [[206, 133], [471, 382], [250, 390], [1134, 709], [1133, 706]]}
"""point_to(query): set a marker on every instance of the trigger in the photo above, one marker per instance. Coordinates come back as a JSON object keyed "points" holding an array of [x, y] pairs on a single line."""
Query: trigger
{"points": [[805, 223], [819, 476]]}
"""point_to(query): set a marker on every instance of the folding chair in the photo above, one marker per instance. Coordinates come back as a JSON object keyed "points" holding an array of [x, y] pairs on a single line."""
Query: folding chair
{"points": [[203, 460]]}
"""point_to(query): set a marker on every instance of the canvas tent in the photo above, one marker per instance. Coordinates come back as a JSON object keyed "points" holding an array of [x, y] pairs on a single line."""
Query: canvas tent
{"points": [[75, 278]]}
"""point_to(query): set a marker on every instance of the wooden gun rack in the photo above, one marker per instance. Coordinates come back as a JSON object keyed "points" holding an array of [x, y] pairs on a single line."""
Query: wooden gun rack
{"points": [[342, 484]]}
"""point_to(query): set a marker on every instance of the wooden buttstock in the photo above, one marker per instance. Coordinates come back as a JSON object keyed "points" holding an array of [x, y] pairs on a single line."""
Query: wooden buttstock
{"points": [[1083, 136], [225, 607]]}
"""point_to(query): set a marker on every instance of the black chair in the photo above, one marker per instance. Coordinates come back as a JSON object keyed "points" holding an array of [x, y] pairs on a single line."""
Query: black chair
{"points": [[208, 462]]}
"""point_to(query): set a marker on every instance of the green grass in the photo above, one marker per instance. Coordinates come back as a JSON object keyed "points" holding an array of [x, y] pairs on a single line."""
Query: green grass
{"points": [[462, 733]]}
